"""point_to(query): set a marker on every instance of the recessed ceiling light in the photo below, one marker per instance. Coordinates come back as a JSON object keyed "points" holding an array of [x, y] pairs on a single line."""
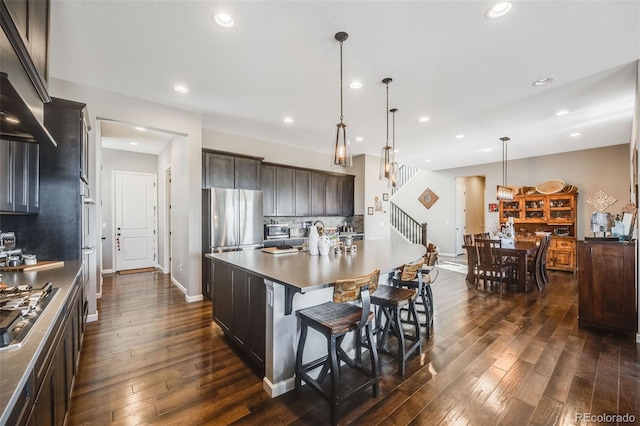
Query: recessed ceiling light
{"points": [[180, 89], [487, 150], [396, 150], [224, 20], [562, 112], [427, 160], [573, 135], [12, 120], [355, 85], [498, 10], [359, 139], [542, 81], [423, 119], [459, 136], [133, 143], [142, 129], [288, 120]]}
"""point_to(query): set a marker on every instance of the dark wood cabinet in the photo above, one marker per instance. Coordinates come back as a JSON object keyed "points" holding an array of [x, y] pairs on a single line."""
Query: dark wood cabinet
{"points": [[221, 170], [318, 193], [348, 189], [333, 195], [239, 307], [285, 192], [55, 370], [293, 192], [247, 173], [26, 25], [606, 286], [222, 295], [268, 182], [19, 177], [302, 192]]}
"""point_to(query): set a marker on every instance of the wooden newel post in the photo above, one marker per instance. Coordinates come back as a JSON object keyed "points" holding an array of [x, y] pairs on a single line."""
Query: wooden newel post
{"points": [[425, 241]]}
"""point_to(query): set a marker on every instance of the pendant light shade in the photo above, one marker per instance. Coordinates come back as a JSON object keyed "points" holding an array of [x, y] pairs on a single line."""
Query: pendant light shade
{"points": [[340, 146], [387, 156], [504, 192]]}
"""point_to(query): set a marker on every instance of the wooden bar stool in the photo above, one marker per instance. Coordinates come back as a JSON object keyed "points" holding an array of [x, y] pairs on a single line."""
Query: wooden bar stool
{"points": [[334, 320], [390, 301], [424, 304]]}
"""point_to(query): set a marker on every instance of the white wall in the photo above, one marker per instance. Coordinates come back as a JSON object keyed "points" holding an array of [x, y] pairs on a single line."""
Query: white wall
{"points": [[186, 165], [590, 170], [377, 224]]}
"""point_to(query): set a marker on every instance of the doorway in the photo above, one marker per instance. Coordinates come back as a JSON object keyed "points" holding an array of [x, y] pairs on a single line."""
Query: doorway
{"points": [[470, 211]]}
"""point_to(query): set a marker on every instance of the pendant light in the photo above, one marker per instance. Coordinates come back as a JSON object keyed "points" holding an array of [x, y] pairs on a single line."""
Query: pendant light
{"points": [[341, 148], [394, 164], [504, 192], [386, 156]]}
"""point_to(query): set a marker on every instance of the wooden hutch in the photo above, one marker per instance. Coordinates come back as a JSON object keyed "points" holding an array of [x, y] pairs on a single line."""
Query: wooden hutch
{"points": [[555, 213]]}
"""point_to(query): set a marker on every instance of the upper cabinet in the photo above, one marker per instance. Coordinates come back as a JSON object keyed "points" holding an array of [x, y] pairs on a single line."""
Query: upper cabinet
{"points": [[26, 26], [222, 170], [295, 192], [19, 177]]}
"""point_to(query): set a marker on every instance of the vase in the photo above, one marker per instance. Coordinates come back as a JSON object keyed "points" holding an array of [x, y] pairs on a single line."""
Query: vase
{"points": [[313, 240]]}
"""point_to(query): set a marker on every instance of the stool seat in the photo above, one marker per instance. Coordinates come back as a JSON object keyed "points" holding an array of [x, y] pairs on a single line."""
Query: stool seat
{"points": [[392, 296], [335, 318]]}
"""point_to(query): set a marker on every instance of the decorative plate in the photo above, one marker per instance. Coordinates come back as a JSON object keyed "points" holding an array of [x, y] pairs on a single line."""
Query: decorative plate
{"points": [[550, 187], [601, 200], [428, 198]]}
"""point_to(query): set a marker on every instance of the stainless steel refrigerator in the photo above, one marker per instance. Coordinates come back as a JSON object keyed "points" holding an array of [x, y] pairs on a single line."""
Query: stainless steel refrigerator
{"points": [[232, 219]]}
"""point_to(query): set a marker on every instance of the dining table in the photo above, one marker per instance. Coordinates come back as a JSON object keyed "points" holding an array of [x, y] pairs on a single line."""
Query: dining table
{"points": [[519, 253]]}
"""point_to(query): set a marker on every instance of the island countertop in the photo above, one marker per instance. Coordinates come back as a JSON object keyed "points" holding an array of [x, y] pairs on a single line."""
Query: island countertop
{"points": [[305, 272], [308, 277]]}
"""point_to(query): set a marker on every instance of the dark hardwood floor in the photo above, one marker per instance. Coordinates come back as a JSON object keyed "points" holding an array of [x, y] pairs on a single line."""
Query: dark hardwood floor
{"points": [[514, 359]]}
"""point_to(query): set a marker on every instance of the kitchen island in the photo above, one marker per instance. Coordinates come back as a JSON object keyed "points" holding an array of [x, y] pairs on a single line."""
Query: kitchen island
{"points": [[283, 284], [36, 377]]}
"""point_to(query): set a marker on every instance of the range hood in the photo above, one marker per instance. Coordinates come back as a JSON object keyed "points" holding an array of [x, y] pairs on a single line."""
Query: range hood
{"points": [[17, 122]]}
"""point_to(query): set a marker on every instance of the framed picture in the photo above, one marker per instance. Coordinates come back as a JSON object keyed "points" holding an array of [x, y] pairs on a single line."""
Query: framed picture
{"points": [[493, 207], [370, 210], [385, 197]]}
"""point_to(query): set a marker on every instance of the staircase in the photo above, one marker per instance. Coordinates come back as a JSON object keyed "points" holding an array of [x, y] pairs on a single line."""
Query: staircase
{"points": [[401, 221], [405, 173], [409, 228]]}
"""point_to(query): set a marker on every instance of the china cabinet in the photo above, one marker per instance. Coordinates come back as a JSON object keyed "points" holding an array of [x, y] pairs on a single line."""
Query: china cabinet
{"points": [[553, 213]]}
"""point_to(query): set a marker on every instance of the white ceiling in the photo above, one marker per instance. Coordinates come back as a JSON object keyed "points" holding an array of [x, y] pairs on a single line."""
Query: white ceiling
{"points": [[469, 75]]}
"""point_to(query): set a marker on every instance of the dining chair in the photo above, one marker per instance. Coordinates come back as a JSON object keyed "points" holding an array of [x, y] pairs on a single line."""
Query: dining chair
{"points": [[536, 267], [491, 267], [334, 320]]}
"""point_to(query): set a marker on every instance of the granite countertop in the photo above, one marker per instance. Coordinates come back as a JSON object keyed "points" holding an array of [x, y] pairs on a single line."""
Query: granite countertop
{"points": [[305, 272], [17, 363]]}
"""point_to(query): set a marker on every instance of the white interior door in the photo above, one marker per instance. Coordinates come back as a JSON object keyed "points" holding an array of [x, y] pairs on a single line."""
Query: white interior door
{"points": [[135, 220], [461, 216]]}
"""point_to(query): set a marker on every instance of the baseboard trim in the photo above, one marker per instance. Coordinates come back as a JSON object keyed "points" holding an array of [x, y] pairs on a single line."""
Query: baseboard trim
{"points": [[189, 299], [108, 271], [279, 388], [92, 317]]}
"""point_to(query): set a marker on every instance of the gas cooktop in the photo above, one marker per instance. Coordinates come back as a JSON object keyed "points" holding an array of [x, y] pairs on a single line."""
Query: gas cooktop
{"points": [[20, 307]]}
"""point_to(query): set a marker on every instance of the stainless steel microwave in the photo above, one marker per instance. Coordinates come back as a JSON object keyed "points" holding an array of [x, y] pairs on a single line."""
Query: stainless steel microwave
{"points": [[274, 231]]}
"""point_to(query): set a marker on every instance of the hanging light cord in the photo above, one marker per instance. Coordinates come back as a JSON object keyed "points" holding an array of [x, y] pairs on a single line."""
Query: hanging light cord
{"points": [[341, 116], [387, 112]]}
